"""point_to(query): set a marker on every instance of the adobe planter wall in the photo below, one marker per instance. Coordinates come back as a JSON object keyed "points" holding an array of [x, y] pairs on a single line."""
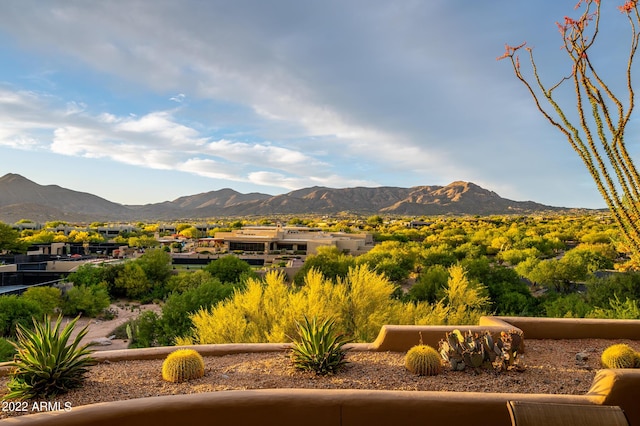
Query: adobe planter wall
{"points": [[311, 407], [356, 407]]}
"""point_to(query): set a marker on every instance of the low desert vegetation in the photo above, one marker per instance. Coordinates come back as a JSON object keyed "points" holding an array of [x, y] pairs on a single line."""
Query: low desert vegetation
{"points": [[48, 361], [445, 270]]}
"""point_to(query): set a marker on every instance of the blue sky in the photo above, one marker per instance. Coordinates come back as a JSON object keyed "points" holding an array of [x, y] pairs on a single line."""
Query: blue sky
{"points": [[146, 101]]}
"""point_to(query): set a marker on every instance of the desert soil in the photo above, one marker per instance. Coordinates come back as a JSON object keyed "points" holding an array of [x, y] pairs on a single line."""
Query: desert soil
{"points": [[551, 368], [99, 331]]}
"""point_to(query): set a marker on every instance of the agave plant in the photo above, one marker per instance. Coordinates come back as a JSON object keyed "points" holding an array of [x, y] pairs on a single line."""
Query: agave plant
{"points": [[45, 364], [319, 347]]}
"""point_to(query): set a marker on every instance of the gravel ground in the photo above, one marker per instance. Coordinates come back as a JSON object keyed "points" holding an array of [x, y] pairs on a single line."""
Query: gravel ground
{"points": [[550, 368]]}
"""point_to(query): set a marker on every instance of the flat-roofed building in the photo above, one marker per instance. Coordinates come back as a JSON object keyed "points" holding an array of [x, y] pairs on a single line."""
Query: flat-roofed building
{"points": [[295, 240]]}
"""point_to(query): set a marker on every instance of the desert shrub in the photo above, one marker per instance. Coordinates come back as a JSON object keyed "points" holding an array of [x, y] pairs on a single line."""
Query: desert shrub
{"points": [[15, 310], [266, 311], [156, 264], [514, 256], [47, 362], [617, 310], [330, 261], [230, 270], [466, 301], [134, 282], [367, 303], [178, 307], [429, 284], [441, 254], [508, 294], [48, 298], [87, 274], [621, 285], [249, 316], [187, 280], [360, 304], [571, 305], [318, 347], [90, 301], [7, 350], [145, 330], [393, 259]]}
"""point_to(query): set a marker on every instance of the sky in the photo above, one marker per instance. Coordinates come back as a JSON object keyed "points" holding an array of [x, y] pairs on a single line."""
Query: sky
{"points": [[141, 101]]}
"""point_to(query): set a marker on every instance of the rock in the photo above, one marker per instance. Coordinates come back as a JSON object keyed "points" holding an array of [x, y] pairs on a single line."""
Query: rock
{"points": [[582, 357], [102, 341]]}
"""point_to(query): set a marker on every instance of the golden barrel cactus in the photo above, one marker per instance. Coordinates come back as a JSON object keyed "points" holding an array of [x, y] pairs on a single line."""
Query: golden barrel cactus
{"points": [[182, 365], [423, 360], [620, 355]]}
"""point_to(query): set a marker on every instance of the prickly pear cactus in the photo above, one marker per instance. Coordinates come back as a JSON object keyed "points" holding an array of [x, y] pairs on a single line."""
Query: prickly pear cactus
{"points": [[480, 350], [423, 360], [620, 355], [182, 365]]}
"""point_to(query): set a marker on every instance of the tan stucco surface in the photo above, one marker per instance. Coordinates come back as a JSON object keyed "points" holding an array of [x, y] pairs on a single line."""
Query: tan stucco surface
{"points": [[360, 407]]}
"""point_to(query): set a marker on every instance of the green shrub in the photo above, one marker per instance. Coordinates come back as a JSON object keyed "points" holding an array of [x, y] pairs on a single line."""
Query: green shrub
{"points": [[318, 348], [177, 309], [182, 365], [618, 310], [82, 299], [133, 281], [330, 261], [7, 350], [230, 270], [144, 331], [48, 298], [46, 363], [430, 284], [15, 310], [566, 306]]}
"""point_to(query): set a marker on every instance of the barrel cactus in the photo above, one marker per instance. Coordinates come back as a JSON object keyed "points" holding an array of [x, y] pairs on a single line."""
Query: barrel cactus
{"points": [[620, 355], [423, 360], [182, 365]]}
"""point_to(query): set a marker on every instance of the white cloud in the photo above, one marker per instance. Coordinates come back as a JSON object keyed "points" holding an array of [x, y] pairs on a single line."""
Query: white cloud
{"points": [[209, 168], [296, 182], [179, 98], [74, 107]]}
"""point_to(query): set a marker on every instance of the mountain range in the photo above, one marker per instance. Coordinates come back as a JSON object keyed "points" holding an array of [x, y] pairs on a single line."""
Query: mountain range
{"points": [[21, 198]]}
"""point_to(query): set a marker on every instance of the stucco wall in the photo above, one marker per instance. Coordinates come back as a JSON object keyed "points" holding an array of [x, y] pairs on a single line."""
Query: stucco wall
{"points": [[359, 407]]}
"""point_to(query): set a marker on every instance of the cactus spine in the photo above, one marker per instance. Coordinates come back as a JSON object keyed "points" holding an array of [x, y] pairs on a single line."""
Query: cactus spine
{"points": [[182, 365], [620, 355], [423, 360]]}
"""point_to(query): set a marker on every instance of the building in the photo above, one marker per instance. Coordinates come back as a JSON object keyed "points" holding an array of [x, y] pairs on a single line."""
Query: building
{"points": [[286, 240]]}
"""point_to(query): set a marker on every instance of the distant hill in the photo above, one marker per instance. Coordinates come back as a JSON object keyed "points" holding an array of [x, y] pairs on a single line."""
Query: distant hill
{"points": [[21, 198]]}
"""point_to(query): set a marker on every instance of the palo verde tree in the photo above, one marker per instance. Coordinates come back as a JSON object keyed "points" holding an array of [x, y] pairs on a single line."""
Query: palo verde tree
{"points": [[596, 131]]}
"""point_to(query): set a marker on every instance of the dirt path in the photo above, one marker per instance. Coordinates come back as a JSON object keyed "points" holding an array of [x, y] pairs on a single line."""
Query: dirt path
{"points": [[99, 330]]}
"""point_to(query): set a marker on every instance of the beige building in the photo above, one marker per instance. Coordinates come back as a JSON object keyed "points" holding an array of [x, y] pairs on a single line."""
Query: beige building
{"points": [[287, 240]]}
